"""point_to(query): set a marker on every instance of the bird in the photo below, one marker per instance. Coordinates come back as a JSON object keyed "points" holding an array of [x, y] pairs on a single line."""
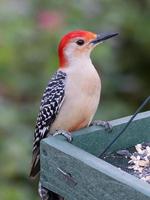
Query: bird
{"points": [[71, 97]]}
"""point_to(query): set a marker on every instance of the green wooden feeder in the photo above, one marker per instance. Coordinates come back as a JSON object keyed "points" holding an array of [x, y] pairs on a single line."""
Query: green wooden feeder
{"points": [[74, 170]]}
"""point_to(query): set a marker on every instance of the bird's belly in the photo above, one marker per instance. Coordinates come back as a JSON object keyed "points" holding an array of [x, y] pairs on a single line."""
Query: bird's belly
{"points": [[77, 110]]}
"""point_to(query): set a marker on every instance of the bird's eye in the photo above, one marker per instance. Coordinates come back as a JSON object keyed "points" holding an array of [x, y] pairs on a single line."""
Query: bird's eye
{"points": [[80, 42]]}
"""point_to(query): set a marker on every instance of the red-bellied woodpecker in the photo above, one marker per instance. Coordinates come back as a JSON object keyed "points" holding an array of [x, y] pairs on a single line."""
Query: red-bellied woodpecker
{"points": [[71, 98]]}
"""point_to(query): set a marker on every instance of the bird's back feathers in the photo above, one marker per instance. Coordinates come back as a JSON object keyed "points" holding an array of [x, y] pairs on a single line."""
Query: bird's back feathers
{"points": [[50, 104]]}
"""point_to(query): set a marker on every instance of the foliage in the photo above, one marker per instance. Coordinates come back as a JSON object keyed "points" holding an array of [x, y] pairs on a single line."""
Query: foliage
{"points": [[29, 36]]}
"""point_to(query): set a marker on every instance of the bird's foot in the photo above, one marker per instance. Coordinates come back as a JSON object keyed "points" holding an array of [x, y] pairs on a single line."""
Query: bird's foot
{"points": [[66, 134], [43, 192], [105, 124]]}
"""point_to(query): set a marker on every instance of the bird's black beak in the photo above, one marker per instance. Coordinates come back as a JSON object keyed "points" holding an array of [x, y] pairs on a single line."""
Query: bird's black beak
{"points": [[103, 36]]}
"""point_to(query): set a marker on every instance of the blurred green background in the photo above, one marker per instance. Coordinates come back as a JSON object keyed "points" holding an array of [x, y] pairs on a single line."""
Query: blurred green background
{"points": [[29, 36]]}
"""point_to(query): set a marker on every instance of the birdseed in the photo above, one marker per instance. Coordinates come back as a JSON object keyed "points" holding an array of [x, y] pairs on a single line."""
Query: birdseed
{"points": [[140, 161], [135, 160]]}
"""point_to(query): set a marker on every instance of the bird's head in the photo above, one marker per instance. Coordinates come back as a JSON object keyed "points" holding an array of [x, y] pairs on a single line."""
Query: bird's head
{"points": [[78, 45]]}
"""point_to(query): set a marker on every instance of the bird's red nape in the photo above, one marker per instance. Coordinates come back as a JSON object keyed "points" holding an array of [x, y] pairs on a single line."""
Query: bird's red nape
{"points": [[64, 41]]}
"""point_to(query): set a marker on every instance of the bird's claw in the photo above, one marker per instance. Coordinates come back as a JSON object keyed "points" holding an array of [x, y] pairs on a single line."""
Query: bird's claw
{"points": [[66, 134], [43, 192], [105, 124]]}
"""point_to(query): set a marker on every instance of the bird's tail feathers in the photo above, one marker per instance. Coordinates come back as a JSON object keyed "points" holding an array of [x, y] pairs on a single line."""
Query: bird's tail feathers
{"points": [[35, 165]]}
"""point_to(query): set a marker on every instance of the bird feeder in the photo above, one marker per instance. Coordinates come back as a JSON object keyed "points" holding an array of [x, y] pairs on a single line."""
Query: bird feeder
{"points": [[74, 171]]}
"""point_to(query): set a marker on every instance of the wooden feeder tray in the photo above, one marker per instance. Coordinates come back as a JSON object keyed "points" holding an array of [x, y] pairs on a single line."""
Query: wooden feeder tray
{"points": [[74, 170]]}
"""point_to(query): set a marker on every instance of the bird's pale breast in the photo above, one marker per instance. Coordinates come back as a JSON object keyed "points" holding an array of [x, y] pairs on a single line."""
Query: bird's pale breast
{"points": [[82, 95]]}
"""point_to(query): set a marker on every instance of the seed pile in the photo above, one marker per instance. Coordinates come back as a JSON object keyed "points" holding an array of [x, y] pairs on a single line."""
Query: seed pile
{"points": [[140, 161]]}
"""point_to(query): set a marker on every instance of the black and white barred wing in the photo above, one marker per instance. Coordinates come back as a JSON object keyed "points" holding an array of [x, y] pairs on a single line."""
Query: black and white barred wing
{"points": [[50, 104]]}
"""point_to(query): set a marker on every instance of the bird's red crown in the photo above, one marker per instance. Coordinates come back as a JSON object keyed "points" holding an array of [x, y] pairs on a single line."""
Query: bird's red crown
{"points": [[86, 35]]}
